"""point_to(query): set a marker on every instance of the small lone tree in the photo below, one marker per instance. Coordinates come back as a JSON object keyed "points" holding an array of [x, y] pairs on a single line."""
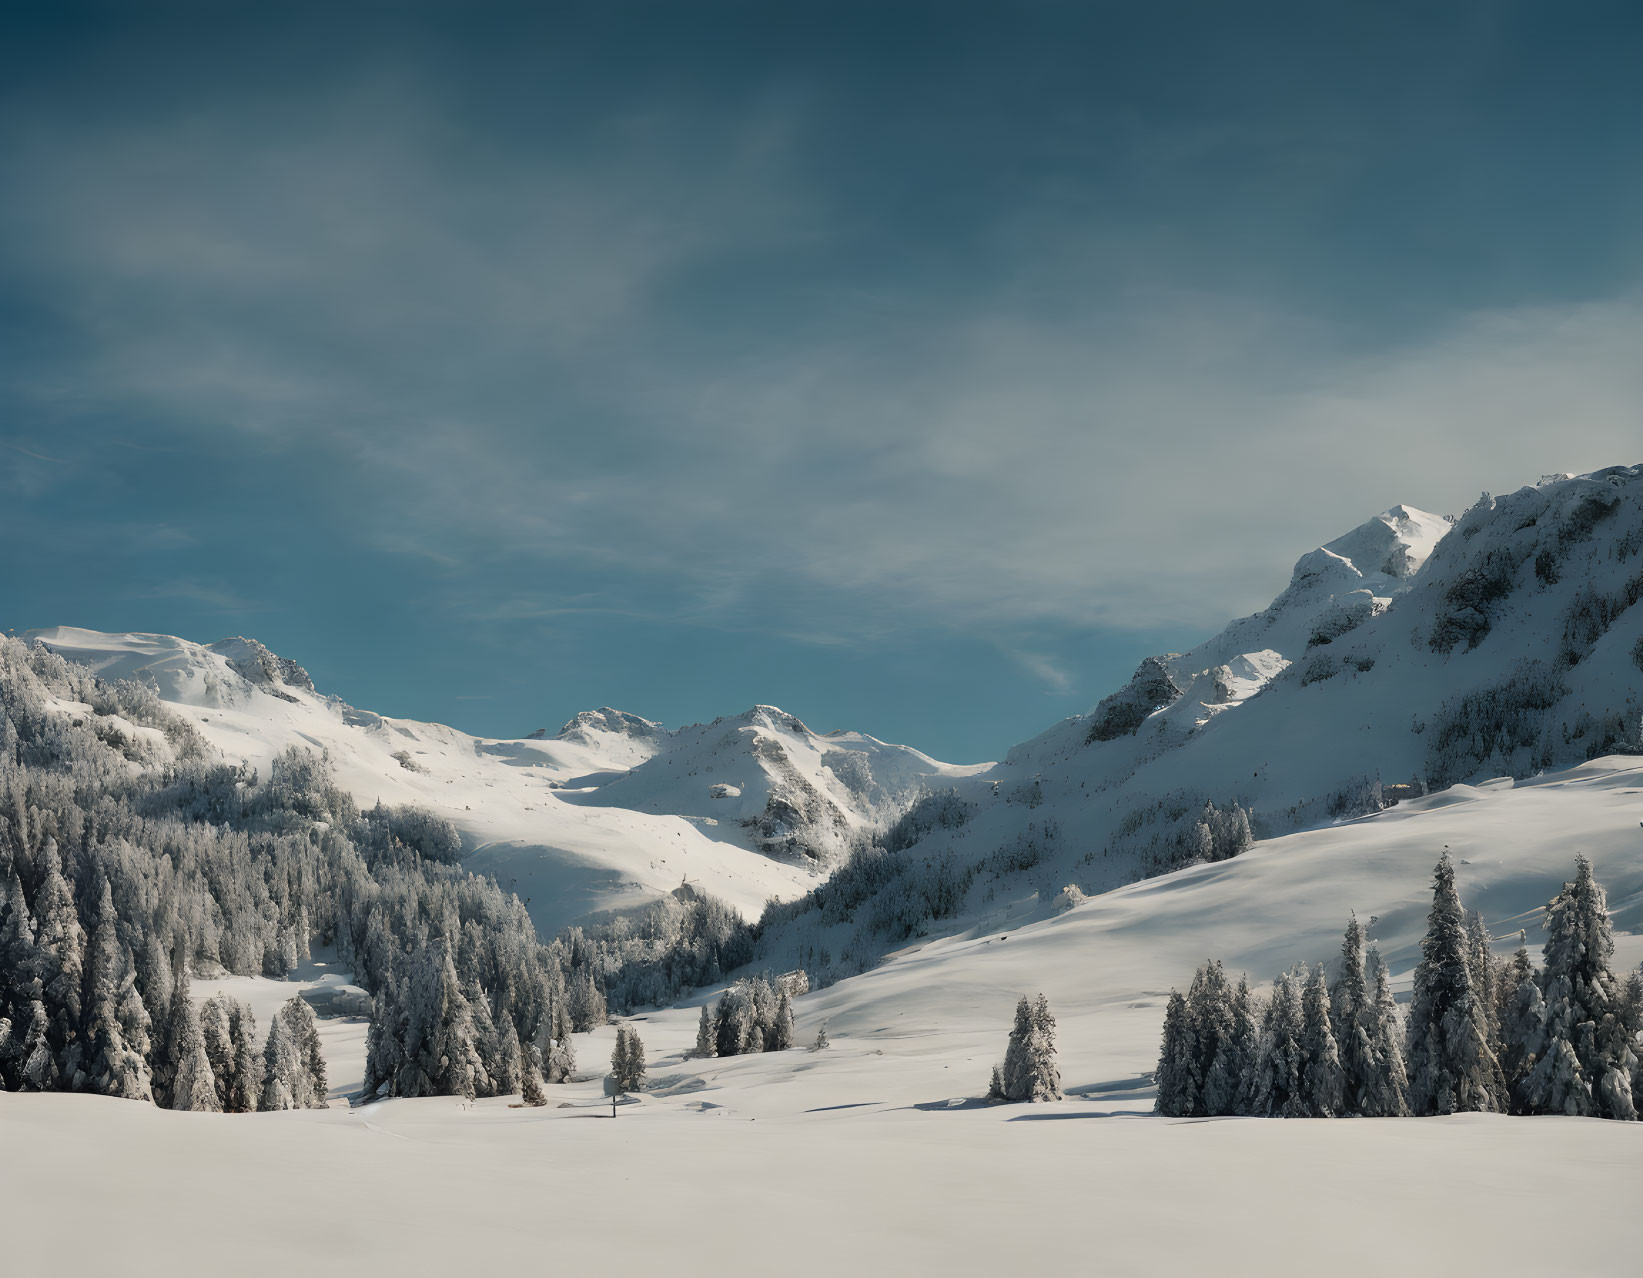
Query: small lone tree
{"points": [[706, 1038], [627, 1061], [1030, 1072]]}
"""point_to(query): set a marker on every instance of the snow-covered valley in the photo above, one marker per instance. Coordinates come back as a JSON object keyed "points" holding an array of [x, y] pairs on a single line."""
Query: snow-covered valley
{"points": [[880, 1143], [1423, 685]]}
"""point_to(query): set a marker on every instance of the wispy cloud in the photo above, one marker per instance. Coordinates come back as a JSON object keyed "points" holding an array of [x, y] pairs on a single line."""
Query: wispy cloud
{"points": [[221, 598]]}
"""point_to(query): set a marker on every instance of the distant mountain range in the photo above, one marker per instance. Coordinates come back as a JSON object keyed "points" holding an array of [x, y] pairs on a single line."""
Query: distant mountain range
{"points": [[1414, 652]]}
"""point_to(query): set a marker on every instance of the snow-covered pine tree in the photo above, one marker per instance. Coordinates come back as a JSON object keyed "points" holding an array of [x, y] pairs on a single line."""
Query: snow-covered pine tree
{"points": [[449, 1059], [508, 1074], [309, 1084], [1174, 1072], [1351, 1019], [706, 1042], [1229, 1074], [995, 1084], [1278, 1090], [245, 1079], [192, 1086], [1209, 1020], [587, 1004], [822, 1041], [530, 1079], [1387, 1095], [39, 1068], [1590, 1057], [780, 1037], [116, 1022], [1522, 1027], [1485, 975], [282, 1084], [1323, 1081], [560, 1065], [1451, 1065], [219, 1046], [60, 945], [168, 1047], [1030, 1072], [627, 1061]]}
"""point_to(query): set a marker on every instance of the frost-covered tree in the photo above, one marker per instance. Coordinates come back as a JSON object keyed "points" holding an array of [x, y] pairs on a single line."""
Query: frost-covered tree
{"points": [[822, 1041], [60, 953], [310, 1082], [530, 1078], [192, 1085], [1173, 1076], [1523, 1027], [560, 1061], [283, 1082], [1209, 1013], [1323, 1081], [1226, 1088], [1278, 1089], [117, 1024], [1452, 1067], [1352, 1018], [1590, 1055], [1030, 1072], [245, 1078], [587, 1004], [39, 1068], [706, 1040], [1387, 1093], [627, 1061], [780, 1037], [508, 1074]]}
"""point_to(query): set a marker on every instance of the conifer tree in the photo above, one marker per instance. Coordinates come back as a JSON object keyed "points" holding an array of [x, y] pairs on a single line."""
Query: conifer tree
{"points": [[780, 1037], [192, 1085], [282, 1067], [1225, 1090], [560, 1064], [706, 1040], [508, 1074], [1351, 1017], [1387, 1094], [1590, 1057], [1523, 1028], [1209, 1013], [309, 1084], [1324, 1082], [1174, 1073], [1030, 1072], [1451, 1065], [245, 1078], [1278, 1090], [39, 1069], [117, 1022], [530, 1079], [627, 1061], [60, 949]]}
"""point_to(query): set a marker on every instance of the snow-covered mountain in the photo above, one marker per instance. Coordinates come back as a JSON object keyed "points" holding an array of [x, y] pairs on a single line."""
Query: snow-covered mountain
{"points": [[611, 812], [1409, 655]]}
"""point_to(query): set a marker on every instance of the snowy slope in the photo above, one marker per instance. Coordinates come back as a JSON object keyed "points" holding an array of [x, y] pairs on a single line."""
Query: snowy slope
{"points": [[611, 812], [874, 1154], [1400, 654]]}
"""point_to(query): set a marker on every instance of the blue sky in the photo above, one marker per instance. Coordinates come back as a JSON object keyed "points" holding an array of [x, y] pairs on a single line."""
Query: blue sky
{"points": [[918, 368]]}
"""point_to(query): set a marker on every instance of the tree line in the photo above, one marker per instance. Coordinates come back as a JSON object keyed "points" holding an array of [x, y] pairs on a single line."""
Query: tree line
{"points": [[1482, 1034]]}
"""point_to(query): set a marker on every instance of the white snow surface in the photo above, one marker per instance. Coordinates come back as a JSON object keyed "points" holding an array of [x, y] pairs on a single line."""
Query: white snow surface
{"points": [[613, 812], [874, 1155]]}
